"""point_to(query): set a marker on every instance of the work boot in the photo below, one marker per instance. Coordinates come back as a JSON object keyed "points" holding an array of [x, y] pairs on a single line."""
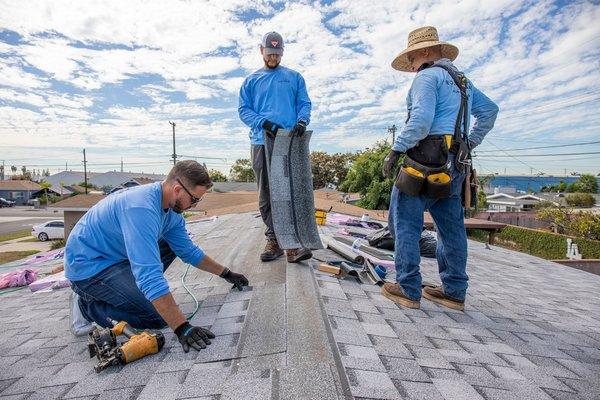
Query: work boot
{"points": [[297, 255], [437, 295], [394, 292], [78, 324], [272, 251]]}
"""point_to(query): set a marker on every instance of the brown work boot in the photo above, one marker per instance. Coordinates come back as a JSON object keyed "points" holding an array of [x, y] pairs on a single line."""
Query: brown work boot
{"points": [[297, 255], [437, 295], [394, 292], [272, 251]]}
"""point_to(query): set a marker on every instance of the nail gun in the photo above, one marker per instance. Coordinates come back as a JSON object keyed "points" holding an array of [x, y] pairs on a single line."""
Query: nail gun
{"points": [[102, 343]]}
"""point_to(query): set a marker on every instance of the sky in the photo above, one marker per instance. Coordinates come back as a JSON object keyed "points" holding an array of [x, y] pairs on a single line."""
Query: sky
{"points": [[108, 76]]}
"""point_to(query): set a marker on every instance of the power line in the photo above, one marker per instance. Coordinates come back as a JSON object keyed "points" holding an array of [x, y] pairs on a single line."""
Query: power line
{"points": [[542, 147], [522, 162], [204, 158], [544, 155]]}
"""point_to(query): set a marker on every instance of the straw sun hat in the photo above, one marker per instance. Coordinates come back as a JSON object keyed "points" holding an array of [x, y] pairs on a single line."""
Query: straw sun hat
{"points": [[421, 38]]}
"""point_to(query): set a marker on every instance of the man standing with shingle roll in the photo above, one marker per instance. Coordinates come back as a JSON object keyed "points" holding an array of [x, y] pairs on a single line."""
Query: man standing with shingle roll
{"points": [[271, 98]]}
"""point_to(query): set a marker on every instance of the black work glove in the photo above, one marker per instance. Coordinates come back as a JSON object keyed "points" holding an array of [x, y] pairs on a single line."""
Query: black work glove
{"points": [[237, 280], [298, 129], [389, 162], [193, 336], [270, 128]]}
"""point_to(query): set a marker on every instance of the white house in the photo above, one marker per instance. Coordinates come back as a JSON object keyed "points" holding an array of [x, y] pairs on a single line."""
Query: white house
{"points": [[509, 202]]}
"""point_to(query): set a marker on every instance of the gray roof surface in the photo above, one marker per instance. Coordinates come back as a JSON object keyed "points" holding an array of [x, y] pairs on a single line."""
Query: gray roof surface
{"points": [[110, 178], [531, 330], [234, 186]]}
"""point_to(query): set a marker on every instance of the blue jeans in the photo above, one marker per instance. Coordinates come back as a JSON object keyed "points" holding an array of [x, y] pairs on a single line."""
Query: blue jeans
{"points": [[406, 223], [113, 293]]}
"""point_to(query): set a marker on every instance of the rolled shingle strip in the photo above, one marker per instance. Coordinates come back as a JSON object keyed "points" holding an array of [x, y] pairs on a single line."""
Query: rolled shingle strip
{"points": [[291, 187]]}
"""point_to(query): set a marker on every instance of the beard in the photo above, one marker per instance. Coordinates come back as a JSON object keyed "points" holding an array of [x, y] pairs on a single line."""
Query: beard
{"points": [[271, 64], [178, 208]]}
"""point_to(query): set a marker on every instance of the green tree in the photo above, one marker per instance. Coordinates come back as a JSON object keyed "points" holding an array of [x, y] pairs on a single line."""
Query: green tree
{"points": [[564, 220], [482, 203], [330, 168], [587, 183], [366, 178], [217, 176], [241, 171], [45, 186], [560, 187], [580, 200], [573, 187]]}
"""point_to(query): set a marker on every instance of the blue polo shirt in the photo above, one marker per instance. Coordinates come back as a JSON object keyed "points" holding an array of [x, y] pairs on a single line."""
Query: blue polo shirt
{"points": [[127, 225], [278, 95]]}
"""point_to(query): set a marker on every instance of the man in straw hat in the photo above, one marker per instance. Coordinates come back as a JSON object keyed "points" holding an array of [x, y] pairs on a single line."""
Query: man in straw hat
{"points": [[435, 135]]}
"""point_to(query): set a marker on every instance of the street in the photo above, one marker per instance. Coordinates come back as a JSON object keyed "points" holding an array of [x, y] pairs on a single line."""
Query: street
{"points": [[19, 218]]}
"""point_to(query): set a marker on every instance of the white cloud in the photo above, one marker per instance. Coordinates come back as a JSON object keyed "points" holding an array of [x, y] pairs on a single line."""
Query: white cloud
{"points": [[187, 60]]}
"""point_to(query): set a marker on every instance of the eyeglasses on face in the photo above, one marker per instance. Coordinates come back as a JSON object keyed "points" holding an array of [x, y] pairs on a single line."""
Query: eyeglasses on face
{"points": [[195, 200]]}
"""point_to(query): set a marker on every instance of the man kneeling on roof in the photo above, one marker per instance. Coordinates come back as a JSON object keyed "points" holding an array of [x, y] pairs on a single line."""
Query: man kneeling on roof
{"points": [[117, 254]]}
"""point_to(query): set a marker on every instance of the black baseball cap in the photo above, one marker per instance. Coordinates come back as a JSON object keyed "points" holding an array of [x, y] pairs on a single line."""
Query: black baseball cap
{"points": [[272, 42]]}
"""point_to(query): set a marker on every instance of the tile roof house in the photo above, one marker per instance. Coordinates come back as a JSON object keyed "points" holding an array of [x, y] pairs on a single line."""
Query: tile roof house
{"points": [[18, 191]]}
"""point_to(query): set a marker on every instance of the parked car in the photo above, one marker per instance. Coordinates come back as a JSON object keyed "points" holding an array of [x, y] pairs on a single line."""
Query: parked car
{"points": [[6, 203], [49, 230]]}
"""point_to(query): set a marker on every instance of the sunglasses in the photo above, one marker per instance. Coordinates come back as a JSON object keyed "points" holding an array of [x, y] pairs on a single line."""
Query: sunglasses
{"points": [[195, 199]]}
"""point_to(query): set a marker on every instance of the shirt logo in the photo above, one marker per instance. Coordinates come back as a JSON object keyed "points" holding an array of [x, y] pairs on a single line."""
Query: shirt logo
{"points": [[274, 43]]}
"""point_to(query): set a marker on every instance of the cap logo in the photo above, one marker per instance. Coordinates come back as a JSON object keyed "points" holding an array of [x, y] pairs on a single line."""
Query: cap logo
{"points": [[274, 43]]}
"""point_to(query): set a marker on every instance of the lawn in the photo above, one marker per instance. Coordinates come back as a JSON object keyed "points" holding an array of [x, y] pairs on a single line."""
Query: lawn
{"points": [[15, 235], [9, 256]]}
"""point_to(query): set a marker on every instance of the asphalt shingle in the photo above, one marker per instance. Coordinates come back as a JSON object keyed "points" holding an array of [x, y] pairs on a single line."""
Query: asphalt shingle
{"points": [[531, 329]]}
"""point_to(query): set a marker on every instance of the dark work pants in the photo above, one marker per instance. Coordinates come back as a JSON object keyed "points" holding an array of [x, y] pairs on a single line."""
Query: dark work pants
{"points": [[259, 165], [113, 293]]}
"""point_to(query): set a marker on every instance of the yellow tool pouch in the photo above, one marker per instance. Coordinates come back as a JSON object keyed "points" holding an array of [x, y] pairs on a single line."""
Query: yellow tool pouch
{"points": [[410, 180], [425, 170]]}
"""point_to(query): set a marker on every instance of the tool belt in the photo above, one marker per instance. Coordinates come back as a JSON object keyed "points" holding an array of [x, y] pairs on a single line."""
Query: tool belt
{"points": [[425, 170]]}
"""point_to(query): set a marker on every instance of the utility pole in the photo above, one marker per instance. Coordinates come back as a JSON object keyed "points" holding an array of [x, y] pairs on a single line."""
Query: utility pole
{"points": [[392, 130], [85, 172], [2, 174], [121, 164], [66, 165], [174, 153]]}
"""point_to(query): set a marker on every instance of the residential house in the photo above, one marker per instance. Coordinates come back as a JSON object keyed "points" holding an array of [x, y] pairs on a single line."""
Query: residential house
{"points": [[18, 191], [509, 202], [74, 207], [109, 179]]}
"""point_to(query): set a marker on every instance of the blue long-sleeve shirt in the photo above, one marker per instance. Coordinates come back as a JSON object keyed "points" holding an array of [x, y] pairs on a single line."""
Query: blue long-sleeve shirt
{"points": [[433, 102], [278, 95], [128, 225]]}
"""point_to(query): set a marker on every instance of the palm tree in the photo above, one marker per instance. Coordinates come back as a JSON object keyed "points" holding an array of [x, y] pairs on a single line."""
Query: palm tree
{"points": [[45, 186]]}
